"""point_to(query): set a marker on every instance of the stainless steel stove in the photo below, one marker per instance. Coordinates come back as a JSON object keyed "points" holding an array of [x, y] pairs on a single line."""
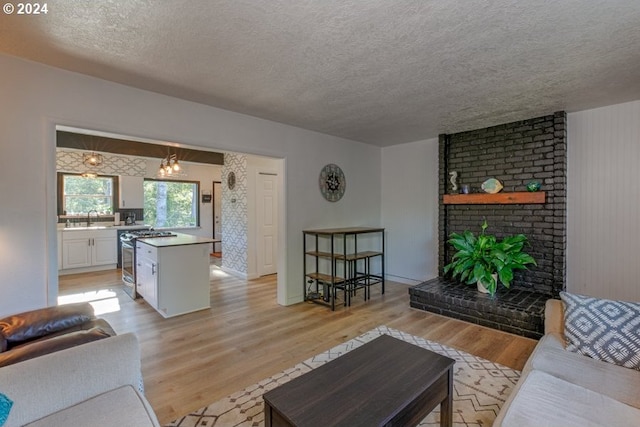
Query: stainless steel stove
{"points": [[141, 234], [128, 247]]}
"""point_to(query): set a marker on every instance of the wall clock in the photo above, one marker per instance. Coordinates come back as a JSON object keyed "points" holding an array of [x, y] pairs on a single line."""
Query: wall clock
{"points": [[231, 180], [332, 182]]}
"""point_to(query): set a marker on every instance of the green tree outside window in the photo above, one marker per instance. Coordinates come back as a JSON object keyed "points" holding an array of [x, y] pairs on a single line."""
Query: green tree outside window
{"points": [[82, 195], [170, 204]]}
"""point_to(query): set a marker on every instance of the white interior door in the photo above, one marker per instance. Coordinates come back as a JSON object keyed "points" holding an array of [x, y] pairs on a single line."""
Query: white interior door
{"points": [[267, 213]]}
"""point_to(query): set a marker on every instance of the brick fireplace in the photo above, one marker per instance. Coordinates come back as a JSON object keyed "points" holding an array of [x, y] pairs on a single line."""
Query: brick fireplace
{"points": [[514, 153]]}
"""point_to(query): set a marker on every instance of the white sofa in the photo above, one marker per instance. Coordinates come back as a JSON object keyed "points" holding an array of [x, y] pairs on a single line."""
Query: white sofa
{"points": [[95, 384], [565, 389]]}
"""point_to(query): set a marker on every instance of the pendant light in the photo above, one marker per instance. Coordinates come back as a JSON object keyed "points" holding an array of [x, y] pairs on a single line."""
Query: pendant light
{"points": [[170, 167], [91, 160]]}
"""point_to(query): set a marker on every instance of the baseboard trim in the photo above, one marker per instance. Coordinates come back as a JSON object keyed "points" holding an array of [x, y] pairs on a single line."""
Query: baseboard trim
{"points": [[64, 272], [403, 280]]}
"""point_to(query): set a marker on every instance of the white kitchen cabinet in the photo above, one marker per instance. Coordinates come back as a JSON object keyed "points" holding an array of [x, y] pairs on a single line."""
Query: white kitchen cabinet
{"points": [[89, 248], [131, 192], [147, 280], [104, 248], [174, 279], [76, 252]]}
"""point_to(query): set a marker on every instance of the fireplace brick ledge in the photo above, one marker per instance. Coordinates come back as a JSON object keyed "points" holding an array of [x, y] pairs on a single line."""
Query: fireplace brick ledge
{"points": [[517, 311]]}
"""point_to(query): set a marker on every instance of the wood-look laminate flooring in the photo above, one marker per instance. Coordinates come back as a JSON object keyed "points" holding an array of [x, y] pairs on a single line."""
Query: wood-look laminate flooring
{"points": [[192, 360]]}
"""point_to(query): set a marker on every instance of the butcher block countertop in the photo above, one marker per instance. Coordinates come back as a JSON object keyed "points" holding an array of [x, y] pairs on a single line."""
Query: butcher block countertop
{"points": [[179, 239]]}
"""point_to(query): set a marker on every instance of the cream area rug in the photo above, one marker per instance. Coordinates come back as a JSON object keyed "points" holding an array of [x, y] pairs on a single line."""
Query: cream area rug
{"points": [[480, 388]]}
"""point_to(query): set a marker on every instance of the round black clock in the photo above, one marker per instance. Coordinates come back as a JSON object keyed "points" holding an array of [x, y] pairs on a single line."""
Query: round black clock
{"points": [[332, 182]]}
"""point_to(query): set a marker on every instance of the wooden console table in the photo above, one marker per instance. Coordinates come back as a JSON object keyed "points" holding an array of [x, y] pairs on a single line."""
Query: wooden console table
{"points": [[341, 246]]}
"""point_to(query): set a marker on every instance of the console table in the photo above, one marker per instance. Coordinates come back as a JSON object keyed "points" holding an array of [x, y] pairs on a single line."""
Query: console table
{"points": [[340, 245]]}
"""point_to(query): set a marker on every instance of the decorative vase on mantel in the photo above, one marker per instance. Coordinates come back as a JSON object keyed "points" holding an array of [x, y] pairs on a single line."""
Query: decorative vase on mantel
{"points": [[482, 288]]}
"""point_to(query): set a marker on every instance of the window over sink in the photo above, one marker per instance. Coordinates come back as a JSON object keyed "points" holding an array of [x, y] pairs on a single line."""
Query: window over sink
{"points": [[78, 195], [171, 203]]}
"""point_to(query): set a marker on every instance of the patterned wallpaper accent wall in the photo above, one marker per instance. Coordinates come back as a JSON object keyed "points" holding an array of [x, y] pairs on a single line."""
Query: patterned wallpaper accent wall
{"points": [[71, 161], [235, 214]]}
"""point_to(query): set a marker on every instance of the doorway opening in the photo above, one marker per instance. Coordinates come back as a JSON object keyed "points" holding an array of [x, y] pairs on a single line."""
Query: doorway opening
{"points": [[218, 189]]}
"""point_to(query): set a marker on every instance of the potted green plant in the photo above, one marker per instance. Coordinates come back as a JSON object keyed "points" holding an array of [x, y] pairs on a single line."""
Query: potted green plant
{"points": [[483, 259]]}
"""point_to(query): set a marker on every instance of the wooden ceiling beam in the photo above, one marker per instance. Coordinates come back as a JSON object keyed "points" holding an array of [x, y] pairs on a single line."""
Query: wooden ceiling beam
{"points": [[133, 148]]}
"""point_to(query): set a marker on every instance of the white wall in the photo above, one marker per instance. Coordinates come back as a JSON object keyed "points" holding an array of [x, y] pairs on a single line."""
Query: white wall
{"points": [[603, 202], [36, 98], [410, 210]]}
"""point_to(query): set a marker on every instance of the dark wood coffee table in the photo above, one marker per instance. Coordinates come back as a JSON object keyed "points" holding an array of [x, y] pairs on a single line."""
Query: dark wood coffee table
{"points": [[385, 382]]}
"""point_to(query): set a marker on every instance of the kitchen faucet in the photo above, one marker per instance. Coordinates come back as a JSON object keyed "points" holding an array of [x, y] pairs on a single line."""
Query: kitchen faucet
{"points": [[89, 216]]}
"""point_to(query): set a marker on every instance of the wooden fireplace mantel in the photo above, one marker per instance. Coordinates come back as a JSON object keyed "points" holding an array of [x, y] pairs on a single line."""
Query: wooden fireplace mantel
{"points": [[518, 197]]}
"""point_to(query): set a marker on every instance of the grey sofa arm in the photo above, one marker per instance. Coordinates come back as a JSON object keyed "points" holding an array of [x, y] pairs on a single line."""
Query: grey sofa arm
{"points": [[47, 384], [554, 317]]}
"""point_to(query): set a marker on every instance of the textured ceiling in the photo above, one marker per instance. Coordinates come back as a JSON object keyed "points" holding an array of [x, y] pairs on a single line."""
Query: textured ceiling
{"points": [[377, 71]]}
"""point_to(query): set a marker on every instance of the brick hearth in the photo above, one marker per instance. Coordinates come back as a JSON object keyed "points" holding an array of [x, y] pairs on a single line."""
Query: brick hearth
{"points": [[517, 311]]}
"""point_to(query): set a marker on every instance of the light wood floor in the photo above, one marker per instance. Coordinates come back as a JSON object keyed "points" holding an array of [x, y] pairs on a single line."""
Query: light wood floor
{"points": [[195, 359]]}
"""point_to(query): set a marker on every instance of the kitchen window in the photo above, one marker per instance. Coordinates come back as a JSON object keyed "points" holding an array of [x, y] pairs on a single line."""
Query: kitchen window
{"points": [[171, 204], [78, 195]]}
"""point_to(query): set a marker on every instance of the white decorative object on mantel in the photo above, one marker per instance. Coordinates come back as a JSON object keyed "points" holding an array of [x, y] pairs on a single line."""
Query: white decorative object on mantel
{"points": [[492, 186], [454, 177]]}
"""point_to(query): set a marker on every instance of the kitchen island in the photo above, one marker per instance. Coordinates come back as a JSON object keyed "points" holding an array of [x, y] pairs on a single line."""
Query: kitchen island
{"points": [[172, 273]]}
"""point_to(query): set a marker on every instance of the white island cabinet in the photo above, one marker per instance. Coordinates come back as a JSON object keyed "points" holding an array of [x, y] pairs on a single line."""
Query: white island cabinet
{"points": [[172, 273], [147, 277]]}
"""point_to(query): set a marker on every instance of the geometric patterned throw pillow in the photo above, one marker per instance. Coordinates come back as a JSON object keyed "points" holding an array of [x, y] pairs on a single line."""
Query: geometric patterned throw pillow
{"points": [[603, 329]]}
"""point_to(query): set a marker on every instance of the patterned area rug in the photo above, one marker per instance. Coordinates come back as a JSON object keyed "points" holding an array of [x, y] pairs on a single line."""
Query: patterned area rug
{"points": [[480, 388]]}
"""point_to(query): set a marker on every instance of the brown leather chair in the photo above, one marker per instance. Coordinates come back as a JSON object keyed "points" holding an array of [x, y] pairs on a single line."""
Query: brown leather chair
{"points": [[35, 333]]}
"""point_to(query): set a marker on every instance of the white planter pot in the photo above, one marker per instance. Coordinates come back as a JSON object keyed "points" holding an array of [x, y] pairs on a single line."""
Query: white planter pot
{"points": [[481, 287]]}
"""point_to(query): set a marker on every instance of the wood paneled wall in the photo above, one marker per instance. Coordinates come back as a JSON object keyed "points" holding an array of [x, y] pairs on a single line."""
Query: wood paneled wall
{"points": [[603, 202]]}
